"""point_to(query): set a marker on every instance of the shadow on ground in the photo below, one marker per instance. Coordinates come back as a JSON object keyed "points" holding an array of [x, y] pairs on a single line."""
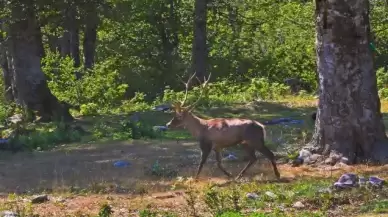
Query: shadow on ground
{"points": [[90, 166]]}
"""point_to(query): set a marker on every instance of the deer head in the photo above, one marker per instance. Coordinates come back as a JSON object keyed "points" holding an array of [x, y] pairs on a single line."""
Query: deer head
{"points": [[182, 112]]}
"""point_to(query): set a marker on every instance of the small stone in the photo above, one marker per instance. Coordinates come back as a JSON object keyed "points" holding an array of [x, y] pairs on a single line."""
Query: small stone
{"points": [[330, 161], [341, 164], [325, 190], [9, 214], [315, 157], [304, 154], [167, 196], [60, 200], [344, 160], [270, 194], [297, 162], [40, 199], [298, 205], [252, 196]]}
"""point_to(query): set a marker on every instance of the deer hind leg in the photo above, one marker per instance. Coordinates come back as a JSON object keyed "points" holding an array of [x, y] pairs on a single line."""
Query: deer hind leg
{"points": [[218, 158], [206, 147], [252, 159], [269, 154]]}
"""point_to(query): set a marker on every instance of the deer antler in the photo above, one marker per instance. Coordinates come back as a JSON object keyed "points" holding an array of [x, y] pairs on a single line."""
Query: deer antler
{"points": [[206, 81], [187, 88]]}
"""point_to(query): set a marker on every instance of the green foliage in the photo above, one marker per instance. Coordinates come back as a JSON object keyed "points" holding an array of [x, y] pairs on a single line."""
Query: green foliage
{"points": [[46, 138], [382, 82], [227, 92], [5, 112], [125, 130], [105, 211], [99, 87]]}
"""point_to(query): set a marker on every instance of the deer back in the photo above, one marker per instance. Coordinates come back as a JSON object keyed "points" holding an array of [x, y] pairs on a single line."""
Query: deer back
{"points": [[228, 132]]}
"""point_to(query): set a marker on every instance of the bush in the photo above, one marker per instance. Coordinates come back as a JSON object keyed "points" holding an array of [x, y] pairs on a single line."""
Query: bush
{"points": [[100, 86], [382, 82], [43, 139]]}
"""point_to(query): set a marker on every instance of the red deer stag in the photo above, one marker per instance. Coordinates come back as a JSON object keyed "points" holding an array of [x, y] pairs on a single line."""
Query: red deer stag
{"points": [[220, 133]]}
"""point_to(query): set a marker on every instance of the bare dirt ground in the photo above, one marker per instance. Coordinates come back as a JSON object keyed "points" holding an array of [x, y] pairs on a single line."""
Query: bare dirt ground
{"points": [[92, 168]]}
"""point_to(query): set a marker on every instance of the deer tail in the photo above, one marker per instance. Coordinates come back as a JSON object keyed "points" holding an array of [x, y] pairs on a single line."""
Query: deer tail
{"points": [[263, 129]]}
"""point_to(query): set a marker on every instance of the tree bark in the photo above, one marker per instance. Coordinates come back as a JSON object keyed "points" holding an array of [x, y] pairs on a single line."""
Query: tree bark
{"points": [[349, 122], [70, 37], [90, 36], [200, 52], [28, 78], [4, 64]]}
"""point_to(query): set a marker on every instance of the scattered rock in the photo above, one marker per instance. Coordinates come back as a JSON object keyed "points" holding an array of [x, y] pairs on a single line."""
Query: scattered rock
{"points": [[230, 157], [121, 163], [330, 161], [304, 153], [347, 180], [315, 157], [375, 181], [16, 118], [164, 196], [252, 196], [39, 199], [325, 190], [270, 194], [344, 160], [9, 214], [59, 200], [362, 181], [312, 158], [340, 164], [298, 205], [297, 162]]}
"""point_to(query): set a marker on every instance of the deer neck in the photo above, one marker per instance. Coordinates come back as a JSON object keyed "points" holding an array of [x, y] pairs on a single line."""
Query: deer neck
{"points": [[195, 125]]}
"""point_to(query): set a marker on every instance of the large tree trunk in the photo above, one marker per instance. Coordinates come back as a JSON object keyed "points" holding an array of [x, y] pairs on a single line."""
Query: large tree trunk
{"points": [[349, 121], [28, 79], [200, 52]]}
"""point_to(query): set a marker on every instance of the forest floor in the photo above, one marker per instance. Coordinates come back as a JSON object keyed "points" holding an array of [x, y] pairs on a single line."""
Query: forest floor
{"points": [[80, 179]]}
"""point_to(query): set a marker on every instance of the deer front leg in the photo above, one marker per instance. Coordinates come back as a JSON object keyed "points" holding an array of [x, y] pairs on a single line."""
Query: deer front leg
{"points": [[206, 147], [218, 158]]}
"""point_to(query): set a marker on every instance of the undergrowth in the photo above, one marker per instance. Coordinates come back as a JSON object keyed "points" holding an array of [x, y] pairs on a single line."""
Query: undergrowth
{"points": [[126, 127]]}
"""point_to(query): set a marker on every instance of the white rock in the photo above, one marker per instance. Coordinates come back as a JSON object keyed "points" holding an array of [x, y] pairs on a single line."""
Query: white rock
{"points": [[270, 194], [252, 196], [298, 204], [304, 153]]}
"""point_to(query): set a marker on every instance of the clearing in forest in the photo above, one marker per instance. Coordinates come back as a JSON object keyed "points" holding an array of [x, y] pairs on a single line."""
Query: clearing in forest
{"points": [[81, 178]]}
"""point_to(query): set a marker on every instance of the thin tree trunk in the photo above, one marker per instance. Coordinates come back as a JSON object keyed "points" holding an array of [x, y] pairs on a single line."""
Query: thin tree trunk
{"points": [[70, 38], [349, 121], [28, 78], [200, 52], [90, 37], [7, 76], [54, 43]]}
